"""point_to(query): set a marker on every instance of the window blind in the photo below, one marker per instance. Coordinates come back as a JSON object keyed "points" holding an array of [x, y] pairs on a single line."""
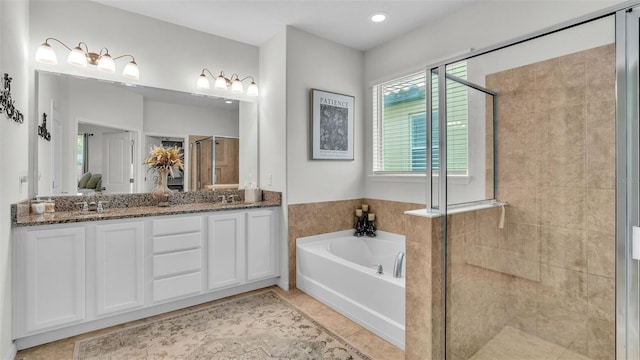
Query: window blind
{"points": [[399, 124]]}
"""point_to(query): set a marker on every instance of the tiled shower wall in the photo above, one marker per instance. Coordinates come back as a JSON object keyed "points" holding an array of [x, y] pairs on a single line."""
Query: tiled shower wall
{"points": [[556, 169], [324, 217]]}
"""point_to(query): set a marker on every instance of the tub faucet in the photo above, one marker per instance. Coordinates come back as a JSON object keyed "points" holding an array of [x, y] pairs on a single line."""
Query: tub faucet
{"points": [[397, 266]]}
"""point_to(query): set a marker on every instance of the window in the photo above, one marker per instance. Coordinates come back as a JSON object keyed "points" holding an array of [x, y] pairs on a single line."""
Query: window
{"points": [[399, 126], [82, 155]]}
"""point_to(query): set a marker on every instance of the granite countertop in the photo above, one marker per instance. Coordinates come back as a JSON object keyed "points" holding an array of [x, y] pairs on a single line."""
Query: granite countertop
{"points": [[61, 217], [126, 206]]}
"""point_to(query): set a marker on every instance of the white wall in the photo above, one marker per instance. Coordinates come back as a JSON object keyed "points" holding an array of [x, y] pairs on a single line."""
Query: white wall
{"points": [[314, 62], [248, 133], [272, 144], [177, 120], [184, 52], [14, 148], [476, 26]]}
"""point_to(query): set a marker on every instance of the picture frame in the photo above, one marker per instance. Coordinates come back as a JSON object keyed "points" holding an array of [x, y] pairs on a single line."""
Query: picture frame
{"points": [[332, 127]]}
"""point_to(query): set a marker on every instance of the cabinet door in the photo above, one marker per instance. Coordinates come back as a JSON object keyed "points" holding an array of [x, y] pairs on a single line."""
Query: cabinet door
{"points": [[226, 250], [54, 277], [119, 267], [261, 245]]}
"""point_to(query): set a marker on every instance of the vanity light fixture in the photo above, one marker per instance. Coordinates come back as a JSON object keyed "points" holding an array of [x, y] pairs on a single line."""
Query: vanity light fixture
{"points": [[222, 83], [79, 56]]}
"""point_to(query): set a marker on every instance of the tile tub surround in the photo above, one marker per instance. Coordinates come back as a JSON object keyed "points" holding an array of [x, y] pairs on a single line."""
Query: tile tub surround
{"points": [[324, 217], [123, 206]]}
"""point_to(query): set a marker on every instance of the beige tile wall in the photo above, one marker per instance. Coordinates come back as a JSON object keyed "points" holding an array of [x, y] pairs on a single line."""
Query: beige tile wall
{"points": [[556, 158], [423, 334], [476, 302]]}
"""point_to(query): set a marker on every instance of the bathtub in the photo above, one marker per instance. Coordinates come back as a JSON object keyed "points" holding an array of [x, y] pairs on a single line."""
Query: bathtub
{"points": [[337, 269]]}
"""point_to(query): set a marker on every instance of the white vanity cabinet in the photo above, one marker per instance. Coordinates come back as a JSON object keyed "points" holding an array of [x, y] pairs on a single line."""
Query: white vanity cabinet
{"points": [[262, 247], [176, 257], [77, 277], [50, 278], [119, 266], [226, 249]]}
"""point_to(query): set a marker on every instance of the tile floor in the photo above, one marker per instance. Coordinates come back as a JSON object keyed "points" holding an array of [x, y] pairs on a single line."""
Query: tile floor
{"points": [[340, 325], [513, 344]]}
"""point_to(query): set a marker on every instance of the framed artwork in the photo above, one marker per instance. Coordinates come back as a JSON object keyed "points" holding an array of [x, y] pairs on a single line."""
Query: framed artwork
{"points": [[331, 126]]}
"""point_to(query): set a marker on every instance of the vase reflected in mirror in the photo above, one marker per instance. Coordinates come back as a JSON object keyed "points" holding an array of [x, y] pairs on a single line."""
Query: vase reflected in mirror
{"points": [[162, 194]]}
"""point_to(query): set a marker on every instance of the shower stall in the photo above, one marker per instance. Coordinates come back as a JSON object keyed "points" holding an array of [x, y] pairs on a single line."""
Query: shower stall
{"points": [[530, 146], [214, 161]]}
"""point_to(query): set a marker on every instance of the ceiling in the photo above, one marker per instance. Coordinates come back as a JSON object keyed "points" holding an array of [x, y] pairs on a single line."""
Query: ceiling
{"points": [[255, 22]]}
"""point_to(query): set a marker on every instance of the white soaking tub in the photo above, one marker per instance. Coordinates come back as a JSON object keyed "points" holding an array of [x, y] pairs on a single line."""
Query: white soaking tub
{"points": [[338, 269]]}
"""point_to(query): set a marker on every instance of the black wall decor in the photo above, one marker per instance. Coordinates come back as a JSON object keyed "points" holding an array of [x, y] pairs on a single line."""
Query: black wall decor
{"points": [[6, 103], [42, 129]]}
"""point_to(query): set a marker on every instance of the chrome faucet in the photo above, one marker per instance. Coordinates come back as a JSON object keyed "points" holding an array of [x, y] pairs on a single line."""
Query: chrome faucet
{"points": [[397, 266]]}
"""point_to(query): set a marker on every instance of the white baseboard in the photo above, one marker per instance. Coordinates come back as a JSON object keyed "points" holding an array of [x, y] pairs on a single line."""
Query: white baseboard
{"points": [[284, 285], [13, 351]]}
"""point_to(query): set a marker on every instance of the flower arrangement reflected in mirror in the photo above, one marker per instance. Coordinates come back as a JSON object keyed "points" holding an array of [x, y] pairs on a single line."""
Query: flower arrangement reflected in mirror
{"points": [[164, 161]]}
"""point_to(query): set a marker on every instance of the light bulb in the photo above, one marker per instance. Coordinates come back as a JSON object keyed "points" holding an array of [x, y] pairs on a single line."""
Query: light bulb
{"points": [[46, 55], [378, 17], [252, 90], [106, 64], [203, 82], [131, 71], [236, 86], [77, 57], [221, 82]]}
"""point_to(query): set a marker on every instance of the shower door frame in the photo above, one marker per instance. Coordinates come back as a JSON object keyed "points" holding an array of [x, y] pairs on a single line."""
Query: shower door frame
{"points": [[627, 165], [627, 184]]}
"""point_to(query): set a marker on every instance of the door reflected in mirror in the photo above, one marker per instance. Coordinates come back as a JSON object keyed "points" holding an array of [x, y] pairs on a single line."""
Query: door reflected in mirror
{"points": [[104, 155]]}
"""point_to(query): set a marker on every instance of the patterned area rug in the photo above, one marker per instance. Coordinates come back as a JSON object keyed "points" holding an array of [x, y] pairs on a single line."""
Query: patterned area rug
{"points": [[257, 327]]}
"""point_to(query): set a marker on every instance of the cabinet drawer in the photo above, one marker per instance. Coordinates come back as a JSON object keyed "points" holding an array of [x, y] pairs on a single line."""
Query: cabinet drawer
{"points": [[177, 286], [177, 242], [176, 263], [179, 225]]}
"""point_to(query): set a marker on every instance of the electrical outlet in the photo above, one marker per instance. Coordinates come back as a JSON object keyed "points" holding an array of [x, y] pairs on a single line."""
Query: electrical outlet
{"points": [[270, 179]]}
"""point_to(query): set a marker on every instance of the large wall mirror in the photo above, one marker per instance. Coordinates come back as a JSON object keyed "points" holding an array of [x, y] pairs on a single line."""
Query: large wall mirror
{"points": [[101, 132]]}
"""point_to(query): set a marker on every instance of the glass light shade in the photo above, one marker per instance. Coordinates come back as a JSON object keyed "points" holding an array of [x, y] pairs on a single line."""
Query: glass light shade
{"points": [[106, 64], [252, 90], [131, 71], [77, 57], [236, 86], [203, 82], [221, 83], [46, 55]]}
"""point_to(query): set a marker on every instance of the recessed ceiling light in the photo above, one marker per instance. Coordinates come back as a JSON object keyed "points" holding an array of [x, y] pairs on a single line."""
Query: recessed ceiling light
{"points": [[228, 102], [378, 17]]}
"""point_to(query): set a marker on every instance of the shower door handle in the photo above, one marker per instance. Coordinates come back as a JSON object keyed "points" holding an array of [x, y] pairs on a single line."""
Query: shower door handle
{"points": [[635, 243]]}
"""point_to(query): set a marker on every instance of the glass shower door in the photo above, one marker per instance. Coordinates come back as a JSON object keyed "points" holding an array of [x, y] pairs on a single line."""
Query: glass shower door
{"points": [[535, 279]]}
